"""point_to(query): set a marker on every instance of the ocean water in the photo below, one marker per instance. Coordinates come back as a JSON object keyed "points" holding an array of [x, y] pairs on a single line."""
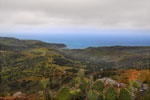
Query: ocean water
{"points": [[85, 41], [75, 41]]}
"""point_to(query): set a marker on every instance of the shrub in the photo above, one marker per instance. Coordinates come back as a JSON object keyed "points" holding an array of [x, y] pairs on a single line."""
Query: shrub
{"points": [[3, 94]]}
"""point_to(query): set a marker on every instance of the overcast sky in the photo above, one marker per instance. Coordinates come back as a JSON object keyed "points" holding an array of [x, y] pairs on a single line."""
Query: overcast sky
{"points": [[48, 15]]}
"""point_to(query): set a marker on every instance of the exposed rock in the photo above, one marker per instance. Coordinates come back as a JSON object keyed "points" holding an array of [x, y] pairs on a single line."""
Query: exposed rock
{"points": [[140, 83], [123, 85], [40, 93], [141, 90], [17, 94], [145, 87], [109, 81], [133, 90]]}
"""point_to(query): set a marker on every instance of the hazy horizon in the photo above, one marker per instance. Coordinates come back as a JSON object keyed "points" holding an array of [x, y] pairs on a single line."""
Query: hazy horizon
{"points": [[89, 39]]}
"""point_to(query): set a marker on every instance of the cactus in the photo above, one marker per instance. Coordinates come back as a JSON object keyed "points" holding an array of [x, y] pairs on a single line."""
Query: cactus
{"points": [[93, 95], [64, 94], [75, 94], [77, 82], [111, 94], [45, 83], [98, 85], [125, 94], [84, 85], [81, 74], [133, 83], [90, 81]]}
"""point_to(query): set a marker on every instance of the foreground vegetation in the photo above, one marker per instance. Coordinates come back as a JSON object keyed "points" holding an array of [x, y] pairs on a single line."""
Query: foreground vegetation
{"points": [[86, 88]]}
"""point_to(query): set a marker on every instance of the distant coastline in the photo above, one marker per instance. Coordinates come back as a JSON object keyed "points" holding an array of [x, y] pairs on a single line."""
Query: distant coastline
{"points": [[82, 45]]}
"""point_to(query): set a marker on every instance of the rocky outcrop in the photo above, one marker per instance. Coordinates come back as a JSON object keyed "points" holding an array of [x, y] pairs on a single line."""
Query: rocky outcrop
{"points": [[109, 81], [17, 94]]}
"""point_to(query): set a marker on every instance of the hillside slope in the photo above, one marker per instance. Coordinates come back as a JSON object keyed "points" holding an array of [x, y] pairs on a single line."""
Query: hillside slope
{"points": [[16, 44], [24, 70], [112, 57]]}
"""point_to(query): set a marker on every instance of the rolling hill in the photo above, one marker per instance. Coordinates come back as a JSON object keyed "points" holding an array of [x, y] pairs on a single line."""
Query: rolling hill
{"points": [[112, 57]]}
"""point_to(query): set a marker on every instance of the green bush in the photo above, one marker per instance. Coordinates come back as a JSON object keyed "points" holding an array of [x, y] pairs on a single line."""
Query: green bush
{"points": [[64, 94], [125, 94], [3, 94], [98, 85], [111, 94]]}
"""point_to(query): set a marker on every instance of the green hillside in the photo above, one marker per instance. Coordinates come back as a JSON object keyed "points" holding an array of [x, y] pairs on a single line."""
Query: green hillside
{"points": [[32, 66], [112, 57], [16, 44]]}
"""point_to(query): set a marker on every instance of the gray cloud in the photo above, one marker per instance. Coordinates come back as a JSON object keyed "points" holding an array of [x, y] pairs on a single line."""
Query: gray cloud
{"points": [[101, 14]]}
